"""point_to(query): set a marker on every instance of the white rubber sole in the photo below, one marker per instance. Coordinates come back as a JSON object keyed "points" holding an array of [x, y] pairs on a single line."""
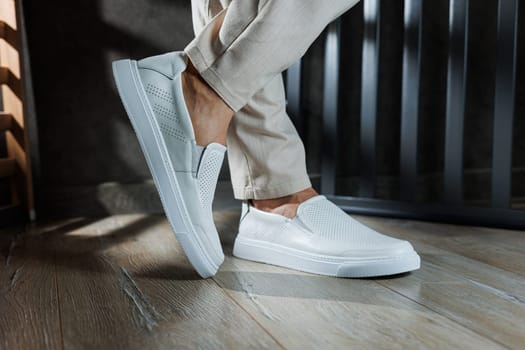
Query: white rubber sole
{"points": [[274, 254], [146, 128]]}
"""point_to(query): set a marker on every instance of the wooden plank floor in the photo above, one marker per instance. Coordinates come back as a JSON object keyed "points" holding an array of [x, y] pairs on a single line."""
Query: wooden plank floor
{"points": [[122, 282]]}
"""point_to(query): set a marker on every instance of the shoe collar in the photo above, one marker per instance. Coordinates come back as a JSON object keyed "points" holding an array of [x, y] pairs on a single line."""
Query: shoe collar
{"points": [[273, 216], [310, 201]]}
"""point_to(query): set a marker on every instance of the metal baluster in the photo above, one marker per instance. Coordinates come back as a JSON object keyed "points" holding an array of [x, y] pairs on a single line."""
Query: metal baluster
{"points": [[410, 98], [456, 92], [504, 103], [369, 91], [330, 108]]}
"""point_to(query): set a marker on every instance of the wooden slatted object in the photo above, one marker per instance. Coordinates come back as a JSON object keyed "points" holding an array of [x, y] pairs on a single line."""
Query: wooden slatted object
{"points": [[17, 165]]}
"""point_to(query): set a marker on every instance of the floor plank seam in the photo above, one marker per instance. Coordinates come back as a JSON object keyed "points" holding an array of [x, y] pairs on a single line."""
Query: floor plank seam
{"points": [[148, 313], [253, 299], [10, 250], [462, 254], [484, 262], [500, 293], [446, 316], [249, 314], [14, 277], [496, 291], [59, 311]]}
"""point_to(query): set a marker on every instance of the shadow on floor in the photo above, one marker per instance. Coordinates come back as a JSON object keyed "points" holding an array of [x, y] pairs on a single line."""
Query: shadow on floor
{"points": [[80, 244]]}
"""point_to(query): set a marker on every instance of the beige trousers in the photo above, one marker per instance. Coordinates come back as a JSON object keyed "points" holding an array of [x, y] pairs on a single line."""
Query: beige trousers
{"points": [[241, 48]]}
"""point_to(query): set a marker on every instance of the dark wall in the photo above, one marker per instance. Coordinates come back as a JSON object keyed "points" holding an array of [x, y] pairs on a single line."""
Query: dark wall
{"points": [[85, 136], [86, 139]]}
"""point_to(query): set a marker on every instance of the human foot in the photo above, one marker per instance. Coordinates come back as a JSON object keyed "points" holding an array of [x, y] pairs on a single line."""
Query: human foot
{"points": [[185, 174], [209, 114], [321, 239], [285, 206]]}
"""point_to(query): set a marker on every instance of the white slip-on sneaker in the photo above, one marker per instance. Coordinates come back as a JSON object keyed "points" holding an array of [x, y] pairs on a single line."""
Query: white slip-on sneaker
{"points": [[185, 174], [321, 239]]}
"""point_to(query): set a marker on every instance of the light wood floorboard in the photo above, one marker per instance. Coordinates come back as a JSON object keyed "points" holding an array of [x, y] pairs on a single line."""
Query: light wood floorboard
{"points": [[352, 313], [29, 317], [456, 279], [122, 282], [500, 248]]}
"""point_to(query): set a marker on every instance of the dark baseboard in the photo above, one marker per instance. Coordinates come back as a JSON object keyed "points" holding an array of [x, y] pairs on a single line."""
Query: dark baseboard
{"points": [[116, 198], [12, 215]]}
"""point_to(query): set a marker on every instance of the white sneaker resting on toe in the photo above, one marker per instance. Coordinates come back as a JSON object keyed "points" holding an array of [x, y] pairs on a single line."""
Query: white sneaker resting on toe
{"points": [[321, 239], [185, 174]]}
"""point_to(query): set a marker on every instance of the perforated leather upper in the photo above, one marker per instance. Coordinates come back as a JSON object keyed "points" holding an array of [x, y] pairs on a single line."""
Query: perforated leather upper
{"points": [[197, 168], [208, 173], [328, 221]]}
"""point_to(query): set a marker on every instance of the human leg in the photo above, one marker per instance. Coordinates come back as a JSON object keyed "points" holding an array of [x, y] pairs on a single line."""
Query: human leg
{"points": [[246, 45], [321, 238], [270, 168], [302, 230]]}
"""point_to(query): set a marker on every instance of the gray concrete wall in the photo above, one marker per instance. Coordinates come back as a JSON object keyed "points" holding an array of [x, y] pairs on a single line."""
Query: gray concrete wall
{"points": [[87, 140]]}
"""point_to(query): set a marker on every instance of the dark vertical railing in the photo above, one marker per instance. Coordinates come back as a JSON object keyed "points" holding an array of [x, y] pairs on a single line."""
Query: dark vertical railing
{"points": [[455, 109], [369, 90], [410, 98], [330, 108], [293, 95], [500, 215], [504, 103]]}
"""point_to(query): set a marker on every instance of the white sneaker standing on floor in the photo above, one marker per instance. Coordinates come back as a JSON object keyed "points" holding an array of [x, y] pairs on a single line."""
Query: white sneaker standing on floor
{"points": [[185, 174], [321, 239]]}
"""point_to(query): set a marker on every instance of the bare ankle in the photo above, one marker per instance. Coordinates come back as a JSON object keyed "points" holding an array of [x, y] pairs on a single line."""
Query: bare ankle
{"points": [[209, 114], [287, 205]]}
